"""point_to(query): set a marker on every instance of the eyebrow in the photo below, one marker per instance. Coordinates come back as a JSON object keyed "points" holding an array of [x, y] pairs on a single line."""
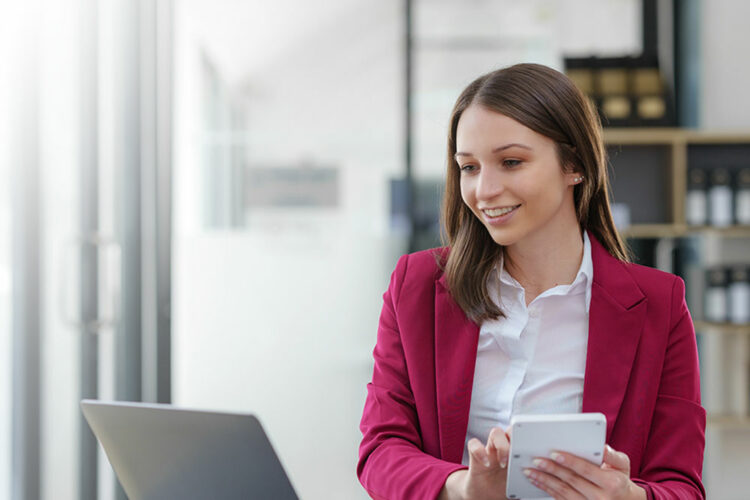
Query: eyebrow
{"points": [[497, 149]]}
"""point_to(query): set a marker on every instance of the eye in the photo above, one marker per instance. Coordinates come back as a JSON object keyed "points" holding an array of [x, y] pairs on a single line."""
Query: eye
{"points": [[467, 168], [511, 163]]}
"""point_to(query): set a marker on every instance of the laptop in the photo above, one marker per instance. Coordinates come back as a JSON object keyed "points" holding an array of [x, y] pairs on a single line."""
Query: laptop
{"points": [[162, 452]]}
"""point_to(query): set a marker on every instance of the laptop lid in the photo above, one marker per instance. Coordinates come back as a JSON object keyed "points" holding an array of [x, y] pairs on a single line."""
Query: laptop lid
{"points": [[158, 452]]}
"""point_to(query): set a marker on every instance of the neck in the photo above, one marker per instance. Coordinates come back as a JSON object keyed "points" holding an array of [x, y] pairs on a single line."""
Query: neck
{"points": [[543, 261]]}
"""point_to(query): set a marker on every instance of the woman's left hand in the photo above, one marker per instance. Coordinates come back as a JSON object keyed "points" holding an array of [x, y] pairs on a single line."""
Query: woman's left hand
{"points": [[566, 476]]}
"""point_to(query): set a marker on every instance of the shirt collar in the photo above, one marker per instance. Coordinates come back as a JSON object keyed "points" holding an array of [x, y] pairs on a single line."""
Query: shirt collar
{"points": [[584, 275], [587, 268]]}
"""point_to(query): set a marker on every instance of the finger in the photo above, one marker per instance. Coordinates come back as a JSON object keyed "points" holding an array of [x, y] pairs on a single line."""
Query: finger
{"points": [[554, 486], [573, 480], [478, 458], [492, 453], [616, 459], [593, 473], [500, 444]]}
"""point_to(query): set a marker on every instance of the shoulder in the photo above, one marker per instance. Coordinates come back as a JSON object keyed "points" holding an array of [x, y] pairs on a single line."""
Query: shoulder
{"points": [[417, 271], [421, 265], [630, 283], [664, 292], [650, 279]]}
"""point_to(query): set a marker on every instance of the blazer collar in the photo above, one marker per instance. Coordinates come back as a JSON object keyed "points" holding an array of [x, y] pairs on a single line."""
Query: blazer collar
{"points": [[616, 316]]}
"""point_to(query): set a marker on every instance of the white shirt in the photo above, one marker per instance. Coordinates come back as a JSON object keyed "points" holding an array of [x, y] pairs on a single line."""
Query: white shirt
{"points": [[534, 359]]}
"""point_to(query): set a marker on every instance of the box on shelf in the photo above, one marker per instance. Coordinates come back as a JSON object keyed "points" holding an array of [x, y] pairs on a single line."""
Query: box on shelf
{"points": [[627, 91]]}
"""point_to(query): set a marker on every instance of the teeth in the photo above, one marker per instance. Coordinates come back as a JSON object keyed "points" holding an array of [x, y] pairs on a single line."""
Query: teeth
{"points": [[499, 211]]}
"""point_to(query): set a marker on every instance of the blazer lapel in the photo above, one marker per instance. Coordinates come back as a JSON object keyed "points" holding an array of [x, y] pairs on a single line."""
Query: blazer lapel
{"points": [[616, 317], [455, 356]]}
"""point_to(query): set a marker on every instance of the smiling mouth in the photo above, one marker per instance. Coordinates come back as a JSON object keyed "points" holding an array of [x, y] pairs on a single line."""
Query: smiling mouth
{"points": [[497, 212]]}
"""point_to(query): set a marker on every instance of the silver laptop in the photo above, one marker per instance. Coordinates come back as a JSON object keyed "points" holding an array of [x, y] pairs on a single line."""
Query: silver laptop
{"points": [[162, 452]]}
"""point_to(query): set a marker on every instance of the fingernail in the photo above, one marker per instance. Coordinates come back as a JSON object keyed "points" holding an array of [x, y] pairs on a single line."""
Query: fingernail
{"points": [[556, 457], [538, 463], [527, 472], [486, 462], [503, 464]]}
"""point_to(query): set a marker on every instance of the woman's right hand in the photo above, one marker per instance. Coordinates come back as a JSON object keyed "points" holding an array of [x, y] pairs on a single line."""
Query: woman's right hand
{"points": [[487, 472]]}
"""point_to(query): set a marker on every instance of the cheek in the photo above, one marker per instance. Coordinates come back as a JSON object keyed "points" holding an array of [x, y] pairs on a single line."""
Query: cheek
{"points": [[530, 189], [467, 193], [541, 195]]}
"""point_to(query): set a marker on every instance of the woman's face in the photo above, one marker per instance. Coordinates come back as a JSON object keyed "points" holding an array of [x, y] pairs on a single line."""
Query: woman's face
{"points": [[511, 177]]}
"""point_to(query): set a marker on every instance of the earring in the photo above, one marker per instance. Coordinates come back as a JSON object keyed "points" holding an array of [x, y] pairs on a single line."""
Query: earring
{"points": [[578, 179]]}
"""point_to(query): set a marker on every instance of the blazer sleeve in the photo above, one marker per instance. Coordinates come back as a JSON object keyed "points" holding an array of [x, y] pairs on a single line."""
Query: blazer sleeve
{"points": [[673, 457], [391, 463]]}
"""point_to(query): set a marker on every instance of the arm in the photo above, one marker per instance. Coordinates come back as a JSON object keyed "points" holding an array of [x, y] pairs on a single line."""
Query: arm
{"points": [[392, 464], [673, 457]]}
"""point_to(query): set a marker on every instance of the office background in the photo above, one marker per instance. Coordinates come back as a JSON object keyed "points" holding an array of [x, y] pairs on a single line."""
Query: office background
{"points": [[201, 203]]}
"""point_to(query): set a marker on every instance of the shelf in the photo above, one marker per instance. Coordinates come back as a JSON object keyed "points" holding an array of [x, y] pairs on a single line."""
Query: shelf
{"points": [[679, 230], [656, 135], [722, 328], [728, 422], [725, 232], [642, 136], [719, 137], [654, 231]]}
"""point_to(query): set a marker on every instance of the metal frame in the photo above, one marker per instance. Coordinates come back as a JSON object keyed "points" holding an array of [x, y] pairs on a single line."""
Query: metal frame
{"points": [[687, 43], [409, 120], [164, 88], [26, 295], [156, 177], [128, 207]]}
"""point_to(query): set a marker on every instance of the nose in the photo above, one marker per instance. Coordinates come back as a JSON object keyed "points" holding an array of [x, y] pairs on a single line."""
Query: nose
{"points": [[490, 184]]}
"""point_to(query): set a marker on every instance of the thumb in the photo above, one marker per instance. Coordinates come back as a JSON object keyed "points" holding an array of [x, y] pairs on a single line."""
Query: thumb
{"points": [[616, 459]]}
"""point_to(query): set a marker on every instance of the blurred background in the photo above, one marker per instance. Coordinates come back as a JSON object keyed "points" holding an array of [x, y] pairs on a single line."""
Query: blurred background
{"points": [[201, 203]]}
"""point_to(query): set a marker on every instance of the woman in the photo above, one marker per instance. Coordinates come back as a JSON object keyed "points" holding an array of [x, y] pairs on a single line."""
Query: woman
{"points": [[532, 307]]}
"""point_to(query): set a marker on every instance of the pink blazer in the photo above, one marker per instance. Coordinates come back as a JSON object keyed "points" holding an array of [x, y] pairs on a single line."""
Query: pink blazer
{"points": [[641, 372]]}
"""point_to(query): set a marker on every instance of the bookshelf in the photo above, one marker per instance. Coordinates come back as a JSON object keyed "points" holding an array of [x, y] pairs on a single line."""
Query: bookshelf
{"points": [[681, 230], [648, 168]]}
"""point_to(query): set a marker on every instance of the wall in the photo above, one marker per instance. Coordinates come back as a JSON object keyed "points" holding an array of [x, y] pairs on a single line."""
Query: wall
{"points": [[725, 76]]}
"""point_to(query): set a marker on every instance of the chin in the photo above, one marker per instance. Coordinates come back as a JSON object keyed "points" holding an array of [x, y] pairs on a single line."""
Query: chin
{"points": [[503, 237]]}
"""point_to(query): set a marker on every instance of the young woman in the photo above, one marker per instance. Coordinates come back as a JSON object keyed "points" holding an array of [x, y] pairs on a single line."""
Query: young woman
{"points": [[532, 307]]}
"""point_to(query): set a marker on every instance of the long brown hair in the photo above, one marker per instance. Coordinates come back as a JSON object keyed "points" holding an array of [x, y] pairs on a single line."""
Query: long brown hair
{"points": [[547, 102]]}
